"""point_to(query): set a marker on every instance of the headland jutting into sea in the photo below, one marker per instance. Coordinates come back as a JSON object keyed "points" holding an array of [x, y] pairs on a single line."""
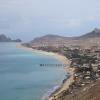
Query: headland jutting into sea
{"points": [[84, 69]]}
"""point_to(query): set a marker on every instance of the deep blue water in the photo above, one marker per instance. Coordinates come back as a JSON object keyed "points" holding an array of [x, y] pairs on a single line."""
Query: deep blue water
{"points": [[22, 77]]}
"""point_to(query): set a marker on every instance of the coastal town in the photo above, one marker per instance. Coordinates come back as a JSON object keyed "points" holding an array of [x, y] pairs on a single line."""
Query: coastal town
{"points": [[86, 65], [81, 55], [49, 50]]}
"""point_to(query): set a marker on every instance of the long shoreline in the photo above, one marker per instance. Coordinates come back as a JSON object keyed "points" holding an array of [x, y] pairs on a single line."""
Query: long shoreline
{"points": [[65, 85]]}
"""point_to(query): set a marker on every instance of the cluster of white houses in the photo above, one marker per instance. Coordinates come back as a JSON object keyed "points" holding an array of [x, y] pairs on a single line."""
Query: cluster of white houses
{"points": [[86, 71]]}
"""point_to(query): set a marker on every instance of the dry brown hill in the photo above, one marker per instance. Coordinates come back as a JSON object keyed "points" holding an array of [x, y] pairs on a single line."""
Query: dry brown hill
{"points": [[90, 92], [90, 39]]}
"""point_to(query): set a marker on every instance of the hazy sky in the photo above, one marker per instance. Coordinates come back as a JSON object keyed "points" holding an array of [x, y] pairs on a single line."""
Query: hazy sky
{"points": [[31, 18]]}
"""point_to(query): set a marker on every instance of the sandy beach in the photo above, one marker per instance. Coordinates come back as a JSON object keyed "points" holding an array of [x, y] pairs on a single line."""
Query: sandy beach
{"points": [[67, 68]]}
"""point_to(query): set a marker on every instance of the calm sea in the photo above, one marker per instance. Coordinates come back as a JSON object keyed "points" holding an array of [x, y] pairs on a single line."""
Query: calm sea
{"points": [[22, 77]]}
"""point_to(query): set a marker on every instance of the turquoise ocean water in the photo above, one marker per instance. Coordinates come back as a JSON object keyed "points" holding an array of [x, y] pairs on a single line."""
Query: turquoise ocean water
{"points": [[22, 77]]}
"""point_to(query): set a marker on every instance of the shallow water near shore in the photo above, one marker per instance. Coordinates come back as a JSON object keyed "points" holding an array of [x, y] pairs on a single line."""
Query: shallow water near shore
{"points": [[22, 77]]}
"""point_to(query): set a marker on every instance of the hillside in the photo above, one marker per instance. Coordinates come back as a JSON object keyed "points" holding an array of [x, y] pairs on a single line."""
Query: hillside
{"points": [[90, 92], [4, 38], [90, 39], [94, 33]]}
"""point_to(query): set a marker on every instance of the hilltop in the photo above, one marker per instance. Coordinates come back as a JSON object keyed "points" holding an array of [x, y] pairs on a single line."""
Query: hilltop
{"points": [[94, 33], [4, 38]]}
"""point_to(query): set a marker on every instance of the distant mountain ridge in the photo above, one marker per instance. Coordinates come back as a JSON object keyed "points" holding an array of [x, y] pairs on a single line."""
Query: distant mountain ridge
{"points": [[4, 38], [91, 38]]}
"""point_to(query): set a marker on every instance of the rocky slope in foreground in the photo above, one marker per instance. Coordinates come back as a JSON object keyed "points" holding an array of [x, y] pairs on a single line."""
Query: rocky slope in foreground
{"points": [[90, 92], [4, 38]]}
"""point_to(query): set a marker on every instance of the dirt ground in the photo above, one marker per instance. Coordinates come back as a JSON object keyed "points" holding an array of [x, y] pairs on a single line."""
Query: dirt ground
{"points": [[89, 92]]}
